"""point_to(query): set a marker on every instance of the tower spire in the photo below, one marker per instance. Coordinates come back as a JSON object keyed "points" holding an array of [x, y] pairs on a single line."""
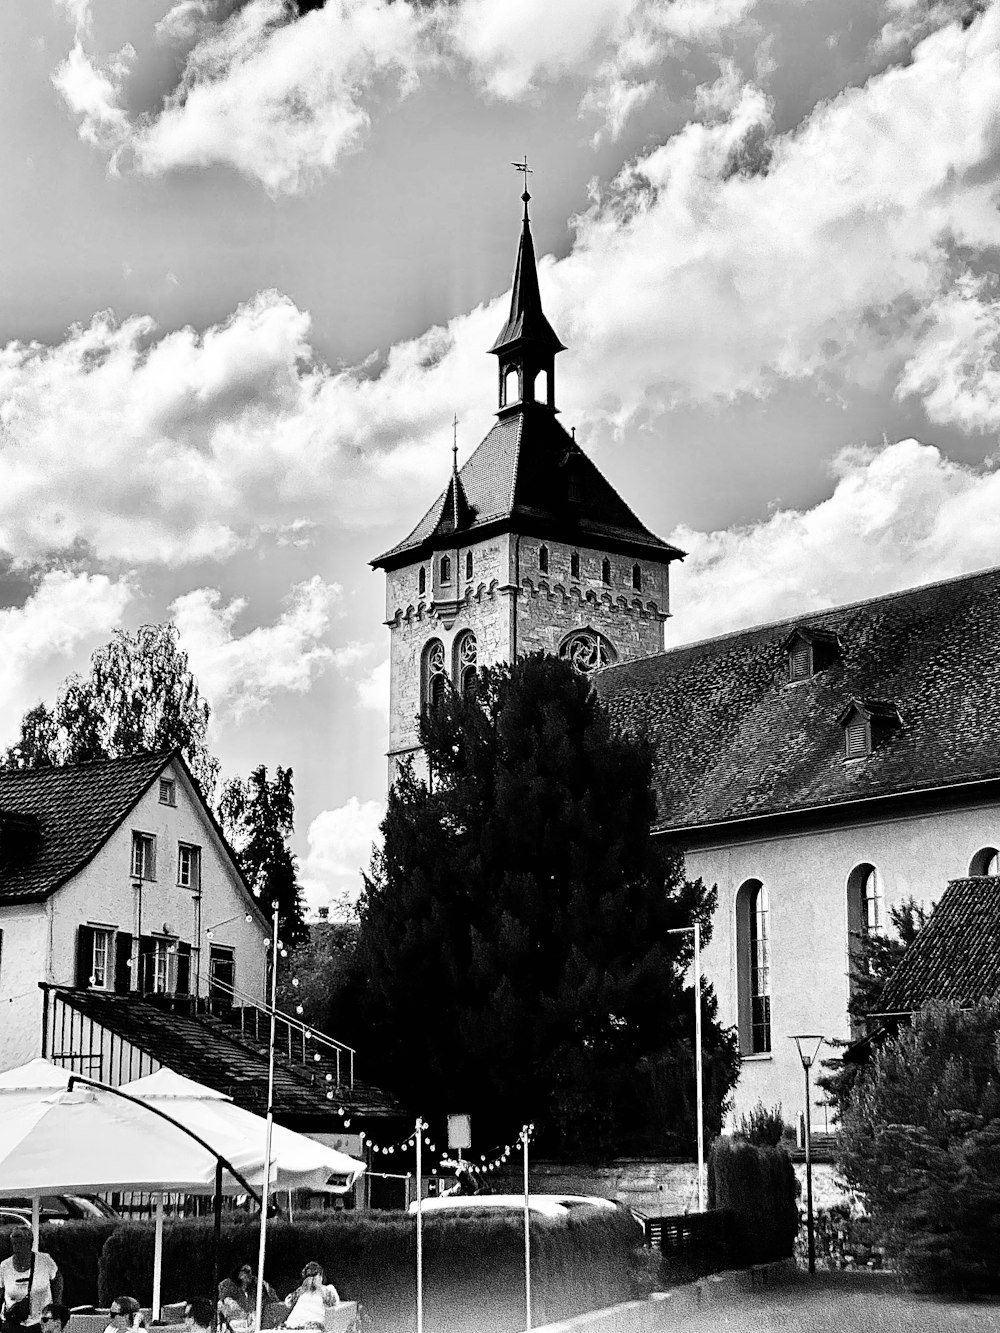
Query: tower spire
{"points": [[527, 344], [454, 471]]}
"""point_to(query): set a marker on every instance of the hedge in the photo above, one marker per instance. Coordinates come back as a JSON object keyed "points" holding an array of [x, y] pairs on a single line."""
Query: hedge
{"points": [[76, 1247], [758, 1184], [473, 1265]]}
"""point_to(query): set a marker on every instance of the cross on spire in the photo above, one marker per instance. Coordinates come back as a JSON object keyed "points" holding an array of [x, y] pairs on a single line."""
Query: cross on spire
{"points": [[526, 171]]}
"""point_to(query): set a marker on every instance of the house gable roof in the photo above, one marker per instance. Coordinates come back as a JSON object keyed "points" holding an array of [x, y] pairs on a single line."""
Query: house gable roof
{"points": [[956, 956], [734, 740]]}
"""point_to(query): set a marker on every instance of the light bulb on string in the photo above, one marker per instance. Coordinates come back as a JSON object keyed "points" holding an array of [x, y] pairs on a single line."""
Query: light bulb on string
{"points": [[329, 1079], [295, 982], [298, 1008]]}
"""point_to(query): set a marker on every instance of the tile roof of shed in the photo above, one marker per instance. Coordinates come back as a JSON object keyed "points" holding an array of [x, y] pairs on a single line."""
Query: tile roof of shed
{"points": [[213, 1053], [528, 470], [77, 807], [734, 740], [956, 956]]}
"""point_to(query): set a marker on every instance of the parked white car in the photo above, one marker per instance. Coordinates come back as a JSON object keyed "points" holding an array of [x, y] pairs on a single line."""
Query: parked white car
{"points": [[546, 1205]]}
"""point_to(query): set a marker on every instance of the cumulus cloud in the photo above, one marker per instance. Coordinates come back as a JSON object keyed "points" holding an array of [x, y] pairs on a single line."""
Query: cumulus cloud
{"points": [[373, 689], [65, 613], [94, 96], [241, 673], [339, 848], [898, 516]]}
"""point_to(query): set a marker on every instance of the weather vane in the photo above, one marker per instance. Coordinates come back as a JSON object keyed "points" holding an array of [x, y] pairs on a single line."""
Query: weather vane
{"points": [[526, 171]]}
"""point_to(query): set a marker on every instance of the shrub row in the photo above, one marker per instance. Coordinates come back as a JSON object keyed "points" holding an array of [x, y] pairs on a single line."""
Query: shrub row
{"points": [[758, 1184], [473, 1268]]}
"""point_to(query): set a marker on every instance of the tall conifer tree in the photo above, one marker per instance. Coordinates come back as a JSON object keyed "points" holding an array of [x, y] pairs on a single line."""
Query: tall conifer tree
{"points": [[514, 926]]}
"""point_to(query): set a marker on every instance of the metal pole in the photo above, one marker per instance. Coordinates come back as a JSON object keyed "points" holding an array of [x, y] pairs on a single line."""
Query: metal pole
{"points": [[262, 1247], [809, 1182], [217, 1244], [699, 1071], [158, 1256], [420, 1240], [527, 1236]]}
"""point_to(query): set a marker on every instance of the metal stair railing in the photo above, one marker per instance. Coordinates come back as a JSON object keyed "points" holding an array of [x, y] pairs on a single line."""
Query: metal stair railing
{"points": [[300, 1041]]}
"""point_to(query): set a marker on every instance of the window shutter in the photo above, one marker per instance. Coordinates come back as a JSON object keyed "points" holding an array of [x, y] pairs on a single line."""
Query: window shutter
{"points": [[798, 662], [857, 738], [183, 968], [84, 956], [123, 960], [147, 966], [151, 854]]}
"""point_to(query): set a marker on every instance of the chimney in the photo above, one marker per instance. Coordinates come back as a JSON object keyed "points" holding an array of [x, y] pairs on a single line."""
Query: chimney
{"points": [[323, 913]]}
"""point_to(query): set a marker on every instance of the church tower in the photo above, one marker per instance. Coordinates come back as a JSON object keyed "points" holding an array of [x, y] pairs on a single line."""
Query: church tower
{"points": [[528, 547]]}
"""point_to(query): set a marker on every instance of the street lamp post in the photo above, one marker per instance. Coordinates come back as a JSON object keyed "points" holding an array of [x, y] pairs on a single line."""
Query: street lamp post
{"points": [[808, 1045], [696, 931]]}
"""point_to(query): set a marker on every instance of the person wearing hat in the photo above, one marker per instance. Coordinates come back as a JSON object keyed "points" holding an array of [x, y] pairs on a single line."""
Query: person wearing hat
{"points": [[310, 1298]]}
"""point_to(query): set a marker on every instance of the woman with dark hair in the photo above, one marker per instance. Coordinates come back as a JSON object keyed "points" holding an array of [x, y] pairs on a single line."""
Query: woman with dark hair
{"points": [[125, 1314], [238, 1295]]}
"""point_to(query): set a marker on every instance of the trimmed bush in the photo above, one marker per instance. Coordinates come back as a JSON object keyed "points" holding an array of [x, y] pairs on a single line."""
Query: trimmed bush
{"points": [[762, 1126], [76, 1247], [757, 1184], [473, 1265]]}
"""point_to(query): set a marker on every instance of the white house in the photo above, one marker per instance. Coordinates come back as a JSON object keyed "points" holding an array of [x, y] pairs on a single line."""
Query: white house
{"points": [[115, 877]]}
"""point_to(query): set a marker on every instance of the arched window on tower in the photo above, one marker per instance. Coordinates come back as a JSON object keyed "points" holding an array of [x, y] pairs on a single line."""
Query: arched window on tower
{"points": [[586, 650], [574, 565], [637, 577], [422, 581], [543, 559], [865, 901], [541, 388], [466, 663], [753, 949], [445, 568], [468, 564], [511, 386], [434, 676], [606, 570]]}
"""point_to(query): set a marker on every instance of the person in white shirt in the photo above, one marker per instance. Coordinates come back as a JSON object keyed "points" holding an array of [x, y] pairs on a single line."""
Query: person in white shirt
{"points": [[309, 1300], [27, 1274]]}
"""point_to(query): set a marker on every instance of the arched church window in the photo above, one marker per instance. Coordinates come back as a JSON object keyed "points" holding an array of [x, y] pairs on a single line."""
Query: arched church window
{"points": [[637, 577], [468, 564], [587, 650], [466, 662], [445, 569], [434, 675], [865, 901], [541, 388], [753, 944], [985, 862], [574, 565], [543, 559], [511, 386], [605, 570], [422, 581]]}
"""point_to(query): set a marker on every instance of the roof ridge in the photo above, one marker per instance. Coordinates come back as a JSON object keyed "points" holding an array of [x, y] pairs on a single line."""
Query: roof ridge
{"points": [[144, 755]]}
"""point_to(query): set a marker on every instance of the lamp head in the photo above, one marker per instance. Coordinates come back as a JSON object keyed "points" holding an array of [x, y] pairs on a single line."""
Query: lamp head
{"points": [[808, 1044]]}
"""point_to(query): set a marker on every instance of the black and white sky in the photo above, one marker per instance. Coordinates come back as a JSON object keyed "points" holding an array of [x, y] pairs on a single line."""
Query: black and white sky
{"points": [[252, 255]]}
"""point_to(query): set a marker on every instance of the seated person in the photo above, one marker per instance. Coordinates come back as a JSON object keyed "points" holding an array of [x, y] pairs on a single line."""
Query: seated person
{"points": [[310, 1298], [125, 1313], [55, 1317], [238, 1294], [198, 1315]]}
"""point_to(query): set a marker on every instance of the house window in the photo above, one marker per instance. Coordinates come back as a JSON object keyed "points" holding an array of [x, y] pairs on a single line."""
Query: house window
{"points": [[800, 661], [543, 559], [422, 581], [468, 564], [100, 975], [606, 571], [445, 569], [872, 901], [168, 791], [163, 954], [985, 862], [466, 663], [143, 856], [586, 650], [574, 565], [95, 957], [637, 578], [753, 944], [435, 676], [188, 866]]}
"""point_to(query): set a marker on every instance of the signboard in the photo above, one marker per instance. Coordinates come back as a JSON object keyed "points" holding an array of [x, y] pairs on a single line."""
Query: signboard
{"points": [[459, 1131]]}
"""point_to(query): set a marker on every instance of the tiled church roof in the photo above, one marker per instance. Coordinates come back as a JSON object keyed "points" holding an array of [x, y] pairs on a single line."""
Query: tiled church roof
{"points": [[956, 956], [527, 472], [734, 740], [74, 810]]}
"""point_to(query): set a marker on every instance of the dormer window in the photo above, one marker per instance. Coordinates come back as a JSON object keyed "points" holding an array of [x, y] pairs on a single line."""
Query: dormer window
{"points": [[867, 723], [168, 791], [809, 650]]}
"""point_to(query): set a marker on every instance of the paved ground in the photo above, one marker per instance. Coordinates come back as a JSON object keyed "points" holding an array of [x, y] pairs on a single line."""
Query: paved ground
{"points": [[839, 1303]]}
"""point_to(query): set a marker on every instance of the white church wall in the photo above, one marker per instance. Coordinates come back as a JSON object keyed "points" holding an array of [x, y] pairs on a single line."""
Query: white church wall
{"points": [[806, 875]]}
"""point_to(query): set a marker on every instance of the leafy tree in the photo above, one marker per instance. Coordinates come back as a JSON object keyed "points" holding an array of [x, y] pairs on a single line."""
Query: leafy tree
{"points": [[258, 818], [875, 957], [139, 697], [317, 972], [513, 928], [920, 1143]]}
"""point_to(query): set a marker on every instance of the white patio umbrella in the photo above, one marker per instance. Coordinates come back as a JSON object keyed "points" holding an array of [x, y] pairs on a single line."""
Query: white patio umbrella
{"points": [[297, 1161], [91, 1140]]}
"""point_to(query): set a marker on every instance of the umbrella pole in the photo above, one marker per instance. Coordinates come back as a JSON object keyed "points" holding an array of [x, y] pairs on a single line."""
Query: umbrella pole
{"points": [[158, 1257], [217, 1245], [36, 1213], [262, 1248]]}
